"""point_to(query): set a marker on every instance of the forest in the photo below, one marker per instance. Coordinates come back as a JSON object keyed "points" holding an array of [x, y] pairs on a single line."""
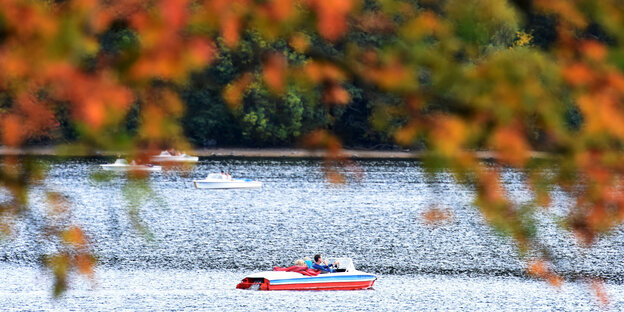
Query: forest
{"points": [[265, 118]]}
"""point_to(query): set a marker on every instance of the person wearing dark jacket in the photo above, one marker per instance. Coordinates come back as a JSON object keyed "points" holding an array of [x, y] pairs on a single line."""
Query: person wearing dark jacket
{"points": [[320, 264]]}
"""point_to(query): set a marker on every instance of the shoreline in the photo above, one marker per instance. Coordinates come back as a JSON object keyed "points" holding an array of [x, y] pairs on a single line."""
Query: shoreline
{"points": [[221, 152], [248, 153]]}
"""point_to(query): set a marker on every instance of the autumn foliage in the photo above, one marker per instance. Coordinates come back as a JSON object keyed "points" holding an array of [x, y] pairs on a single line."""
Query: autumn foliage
{"points": [[446, 75]]}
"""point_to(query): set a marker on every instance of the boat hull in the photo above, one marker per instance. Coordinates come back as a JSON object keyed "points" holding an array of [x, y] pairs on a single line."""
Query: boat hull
{"points": [[122, 168], [175, 159], [227, 184], [333, 281]]}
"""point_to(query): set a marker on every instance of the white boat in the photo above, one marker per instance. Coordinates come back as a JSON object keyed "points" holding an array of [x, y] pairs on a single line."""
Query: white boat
{"points": [[346, 278], [122, 165], [166, 157], [222, 181]]}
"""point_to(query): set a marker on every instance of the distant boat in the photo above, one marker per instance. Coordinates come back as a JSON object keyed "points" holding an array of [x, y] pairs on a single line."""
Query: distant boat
{"points": [[221, 181], [122, 165], [166, 157]]}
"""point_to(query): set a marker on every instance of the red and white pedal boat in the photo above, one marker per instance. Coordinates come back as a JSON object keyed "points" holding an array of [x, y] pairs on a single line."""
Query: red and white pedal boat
{"points": [[346, 278]]}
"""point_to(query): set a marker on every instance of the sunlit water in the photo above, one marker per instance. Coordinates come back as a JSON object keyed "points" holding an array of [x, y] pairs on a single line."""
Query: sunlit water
{"points": [[199, 243]]}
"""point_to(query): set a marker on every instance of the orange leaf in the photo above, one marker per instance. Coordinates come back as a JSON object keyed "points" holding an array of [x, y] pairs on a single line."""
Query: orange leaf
{"points": [[74, 236], [335, 94], [511, 145], [335, 177], [94, 113], [152, 118], [170, 102], [174, 12], [281, 9], [300, 42], [234, 92], [555, 280], [616, 80], [323, 139], [230, 30], [13, 65], [12, 134], [436, 216], [427, 23], [602, 112], [448, 134], [537, 268], [332, 17], [406, 134], [491, 187], [322, 71], [38, 118], [594, 50], [85, 263], [394, 76], [578, 74], [274, 72], [202, 52]]}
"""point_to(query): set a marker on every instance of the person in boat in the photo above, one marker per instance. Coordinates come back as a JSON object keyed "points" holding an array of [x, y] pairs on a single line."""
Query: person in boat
{"points": [[308, 261], [320, 264], [300, 262]]}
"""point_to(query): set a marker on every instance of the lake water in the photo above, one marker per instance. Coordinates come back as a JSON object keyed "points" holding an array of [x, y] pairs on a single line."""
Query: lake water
{"points": [[196, 245]]}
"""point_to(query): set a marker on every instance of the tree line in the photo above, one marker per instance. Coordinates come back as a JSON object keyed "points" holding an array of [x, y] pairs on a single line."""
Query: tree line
{"points": [[267, 119]]}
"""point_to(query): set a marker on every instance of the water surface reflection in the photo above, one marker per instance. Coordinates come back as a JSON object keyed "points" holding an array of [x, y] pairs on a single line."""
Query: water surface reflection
{"points": [[376, 221]]}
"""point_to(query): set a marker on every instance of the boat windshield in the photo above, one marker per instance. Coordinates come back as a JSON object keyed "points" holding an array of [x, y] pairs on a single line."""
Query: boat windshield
{"points": [[164, 153], [346, 264], [121, 162], [216, 176]]}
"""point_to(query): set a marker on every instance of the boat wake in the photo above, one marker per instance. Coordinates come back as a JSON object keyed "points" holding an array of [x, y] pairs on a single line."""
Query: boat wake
{"points": [[254, 287]]}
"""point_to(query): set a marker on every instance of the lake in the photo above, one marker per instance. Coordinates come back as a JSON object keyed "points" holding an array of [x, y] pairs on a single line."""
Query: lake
{"points": [[170, 247]]}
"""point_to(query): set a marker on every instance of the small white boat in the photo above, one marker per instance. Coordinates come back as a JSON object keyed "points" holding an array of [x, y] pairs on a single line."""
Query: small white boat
{"points": [[166, 157], [221, 181], [345, 278], [122, 165]]}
